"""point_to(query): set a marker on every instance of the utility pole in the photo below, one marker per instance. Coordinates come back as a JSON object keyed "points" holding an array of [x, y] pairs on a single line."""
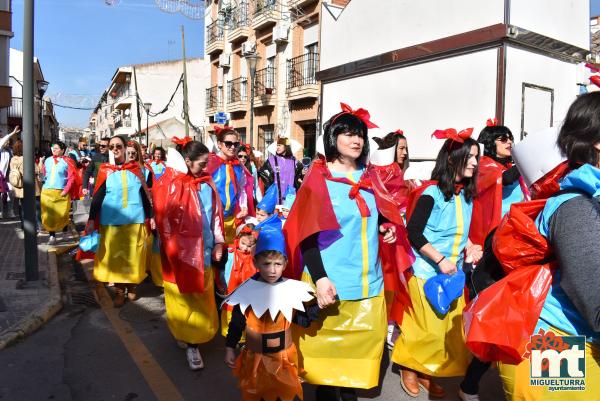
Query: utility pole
{"points": [[29, 210], [186, 113], [137, 104]]}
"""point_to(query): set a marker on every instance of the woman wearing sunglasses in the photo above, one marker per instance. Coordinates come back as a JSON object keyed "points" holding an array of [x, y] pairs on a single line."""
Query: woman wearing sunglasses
{"points": [[233, 181], [120, 206], [498, 182]]}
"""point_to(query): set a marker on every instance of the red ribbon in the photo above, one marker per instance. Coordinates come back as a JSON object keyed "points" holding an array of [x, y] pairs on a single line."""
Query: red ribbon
{"points": [[183, 141], [219, 129], [360, 113], [131, 143], [450, 133], [363, 183], [399, 132], [595, 79], [56, 159], [491, 122]]}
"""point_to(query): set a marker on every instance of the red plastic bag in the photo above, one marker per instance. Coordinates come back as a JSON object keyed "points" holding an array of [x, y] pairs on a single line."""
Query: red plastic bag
{"points": [[499, 322]]}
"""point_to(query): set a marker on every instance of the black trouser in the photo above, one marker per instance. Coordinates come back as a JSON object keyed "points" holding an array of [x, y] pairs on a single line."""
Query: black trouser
{"points": [[329, 393], [475, 371]]}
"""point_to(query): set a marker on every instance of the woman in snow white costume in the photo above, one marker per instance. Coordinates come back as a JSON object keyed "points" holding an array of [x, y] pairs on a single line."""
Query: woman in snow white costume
{"points": [[234, 182], [265, 306], [549, 250], [439, 214], [190, 222], [354, 207]]}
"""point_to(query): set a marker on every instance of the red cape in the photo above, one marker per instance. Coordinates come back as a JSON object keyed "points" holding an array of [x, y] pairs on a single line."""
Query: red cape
{"points": [[214, 162], [107, 169], [180, 226], [313, 212], [500, 320]]}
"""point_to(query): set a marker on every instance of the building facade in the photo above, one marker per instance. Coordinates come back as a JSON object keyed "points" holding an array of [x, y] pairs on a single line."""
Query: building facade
{"points": [[5, 90], [157, 87], [285, 36]]}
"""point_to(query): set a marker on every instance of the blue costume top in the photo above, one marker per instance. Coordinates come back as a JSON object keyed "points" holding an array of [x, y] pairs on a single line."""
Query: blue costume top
{"points": [[226, 186], [123, 201], [447, 230], [511, 194], [205, 194], [158, 169], [352, 261], [56, 173], [558, 311]]}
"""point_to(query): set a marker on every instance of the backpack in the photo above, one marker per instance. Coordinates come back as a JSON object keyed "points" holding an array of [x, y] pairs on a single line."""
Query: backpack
{"points": [[15, 178]]}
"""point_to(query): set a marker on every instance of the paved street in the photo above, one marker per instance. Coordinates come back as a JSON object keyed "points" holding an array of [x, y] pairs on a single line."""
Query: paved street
{"points": [[92, 353]]}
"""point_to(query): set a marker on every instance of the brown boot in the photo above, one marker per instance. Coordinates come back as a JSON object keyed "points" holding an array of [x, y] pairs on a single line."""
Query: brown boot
{"points": [[131, 292], [409, 382], [434, 389], [119, 299]]}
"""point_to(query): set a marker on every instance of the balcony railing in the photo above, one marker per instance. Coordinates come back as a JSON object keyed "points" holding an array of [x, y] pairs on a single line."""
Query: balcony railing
{"points": [[264, 6], [264, 82], [302, 70], [214, 97], [214, 32], [237, 90], [16, 108], [239, 17]]}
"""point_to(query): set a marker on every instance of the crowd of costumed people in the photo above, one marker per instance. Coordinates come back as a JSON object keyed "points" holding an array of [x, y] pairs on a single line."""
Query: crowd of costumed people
{"points": [[312, 271]]}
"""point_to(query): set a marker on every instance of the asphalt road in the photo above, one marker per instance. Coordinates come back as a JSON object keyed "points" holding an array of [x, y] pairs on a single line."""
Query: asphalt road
{"points": [[90, 353]]}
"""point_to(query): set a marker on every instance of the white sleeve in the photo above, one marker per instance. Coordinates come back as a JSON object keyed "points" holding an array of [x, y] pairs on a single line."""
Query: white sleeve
{"points": [[243, 199], [218, 231]]}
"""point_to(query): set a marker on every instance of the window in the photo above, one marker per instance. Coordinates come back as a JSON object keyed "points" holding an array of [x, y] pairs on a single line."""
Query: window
{"points": [[270, 77], [265, 136]]}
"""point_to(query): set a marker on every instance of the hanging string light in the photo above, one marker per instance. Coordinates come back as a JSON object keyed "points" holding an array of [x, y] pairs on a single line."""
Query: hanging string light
{"points": [[193, 9]]}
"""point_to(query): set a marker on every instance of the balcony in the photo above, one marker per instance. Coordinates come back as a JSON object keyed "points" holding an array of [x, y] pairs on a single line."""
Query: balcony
{"points": [[237, 95], [16, 108], [266, 13], [264, 87], [299, 3], [301, 82], [214, 37], [123, 98], [214, 100], [239, 23]]}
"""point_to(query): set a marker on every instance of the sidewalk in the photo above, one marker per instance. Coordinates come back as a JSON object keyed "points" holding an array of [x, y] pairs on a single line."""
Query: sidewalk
{"points": [[24, 307]]}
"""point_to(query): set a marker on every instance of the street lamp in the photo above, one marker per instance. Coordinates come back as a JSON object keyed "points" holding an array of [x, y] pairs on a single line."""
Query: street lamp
{"points": [[252, 60], [42, 86], [147, 108]]}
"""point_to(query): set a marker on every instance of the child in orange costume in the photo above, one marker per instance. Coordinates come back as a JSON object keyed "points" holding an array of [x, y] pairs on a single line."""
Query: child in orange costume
{"points": [[267, 368]]}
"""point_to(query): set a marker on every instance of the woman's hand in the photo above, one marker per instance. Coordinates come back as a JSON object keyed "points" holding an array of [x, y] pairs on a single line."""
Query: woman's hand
{"points": [[243, 213], [474, 253], [447, 267], [389, 233], [326, 292], [89, 226], [230, 357], [217, 253], [152, 224]]}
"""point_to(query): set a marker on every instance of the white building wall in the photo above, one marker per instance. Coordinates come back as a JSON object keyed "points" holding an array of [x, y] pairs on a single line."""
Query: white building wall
{"points": [[366, 27], [457, 92]]}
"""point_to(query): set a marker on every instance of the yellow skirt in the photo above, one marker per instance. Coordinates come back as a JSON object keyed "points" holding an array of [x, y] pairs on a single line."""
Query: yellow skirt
{"points": [[55, 209], [192, 318], [153, 262], [229, 226], [515, 380], [344, 347], [121, 256], [428, 343]]}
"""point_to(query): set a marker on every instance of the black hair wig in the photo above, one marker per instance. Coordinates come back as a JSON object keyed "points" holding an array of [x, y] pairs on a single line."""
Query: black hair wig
{"points": [[193, 150], [487, 137], [342, 123], [451, 161]]}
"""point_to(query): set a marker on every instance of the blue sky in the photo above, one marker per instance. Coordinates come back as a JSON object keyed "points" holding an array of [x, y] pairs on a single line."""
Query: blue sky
{"points": [[80, 43]]}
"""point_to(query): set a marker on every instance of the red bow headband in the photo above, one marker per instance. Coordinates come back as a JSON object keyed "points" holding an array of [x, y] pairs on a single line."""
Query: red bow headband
{"points": [[399, 132], [595, 79], [450, 133], [219, 129], [245, 147], [183, 141], [131, 143], [361, 114], [491, 122]]}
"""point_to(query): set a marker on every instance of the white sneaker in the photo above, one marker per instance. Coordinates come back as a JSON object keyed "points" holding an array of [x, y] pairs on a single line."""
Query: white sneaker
{"points": [[195, 361], [467, 397], [52, 240]]}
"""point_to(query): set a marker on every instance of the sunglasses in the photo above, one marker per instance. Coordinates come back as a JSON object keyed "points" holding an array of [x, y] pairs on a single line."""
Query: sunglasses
{"points": [[242, 156], [229, 144], [504, 139], [104, 146], [132, 153], [111, 147]]}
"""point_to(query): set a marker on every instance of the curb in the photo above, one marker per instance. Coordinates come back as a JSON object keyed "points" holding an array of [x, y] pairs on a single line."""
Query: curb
{"points": [[42, 314]]}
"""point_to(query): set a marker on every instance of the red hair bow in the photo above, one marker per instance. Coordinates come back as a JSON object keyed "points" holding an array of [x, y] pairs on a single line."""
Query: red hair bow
{"points": [[131, 143], [361, 114], [399, 132], [183, 141], [491, 122], [219, 129], [450, 133], [595, 79]]}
